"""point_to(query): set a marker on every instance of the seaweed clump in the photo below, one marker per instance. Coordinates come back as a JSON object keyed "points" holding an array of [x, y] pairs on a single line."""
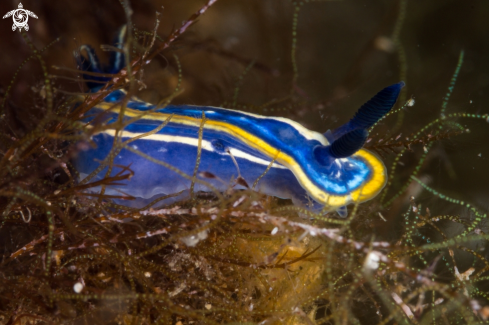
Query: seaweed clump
{"points": [[73, 257]]}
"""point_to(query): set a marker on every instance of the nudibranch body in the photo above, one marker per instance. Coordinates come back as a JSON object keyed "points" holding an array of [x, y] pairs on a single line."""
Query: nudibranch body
{"points": [[312, 169]]}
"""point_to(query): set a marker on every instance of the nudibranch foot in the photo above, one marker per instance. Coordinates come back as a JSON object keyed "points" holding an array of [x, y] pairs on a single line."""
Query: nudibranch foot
{"points": [[342, 211]]}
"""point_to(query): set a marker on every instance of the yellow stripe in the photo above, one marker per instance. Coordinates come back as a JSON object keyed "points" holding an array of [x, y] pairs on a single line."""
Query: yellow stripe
{"points": [[371, 188]]}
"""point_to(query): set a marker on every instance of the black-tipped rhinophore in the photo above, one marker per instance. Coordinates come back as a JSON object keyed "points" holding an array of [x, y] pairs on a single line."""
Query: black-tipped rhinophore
{"points": [[377, 107], [372, 111], [343, 147], [350, 137], [91, 63], [348, 144]]}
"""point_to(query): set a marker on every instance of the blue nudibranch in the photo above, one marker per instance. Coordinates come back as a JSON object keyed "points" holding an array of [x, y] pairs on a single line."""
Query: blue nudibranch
{"points": [[332, 168]]}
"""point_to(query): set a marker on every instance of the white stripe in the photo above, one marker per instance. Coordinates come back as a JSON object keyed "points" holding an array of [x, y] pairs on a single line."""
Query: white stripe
{"points": [[91, 57], [308, 134], [120, 45], [206, 145]]}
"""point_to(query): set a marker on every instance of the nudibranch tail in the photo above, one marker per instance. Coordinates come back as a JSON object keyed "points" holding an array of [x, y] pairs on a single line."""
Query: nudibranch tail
{"points": [[117, 58], [91, 63]]}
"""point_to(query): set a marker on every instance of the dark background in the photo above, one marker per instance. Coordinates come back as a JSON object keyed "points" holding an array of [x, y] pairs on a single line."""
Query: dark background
{"points": [[340, 66]]}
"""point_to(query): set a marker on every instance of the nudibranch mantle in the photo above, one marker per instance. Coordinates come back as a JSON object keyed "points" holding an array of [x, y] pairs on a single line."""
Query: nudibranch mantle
{"points": [[333, 169], [253, 140]]}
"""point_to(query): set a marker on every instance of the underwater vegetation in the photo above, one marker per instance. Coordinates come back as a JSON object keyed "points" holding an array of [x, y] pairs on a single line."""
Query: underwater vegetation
{"points": [[414, 254]]}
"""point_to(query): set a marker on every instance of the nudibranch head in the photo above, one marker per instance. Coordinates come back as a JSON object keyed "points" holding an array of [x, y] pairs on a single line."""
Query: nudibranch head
{"points": [[354, 179], [360, 175]]}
